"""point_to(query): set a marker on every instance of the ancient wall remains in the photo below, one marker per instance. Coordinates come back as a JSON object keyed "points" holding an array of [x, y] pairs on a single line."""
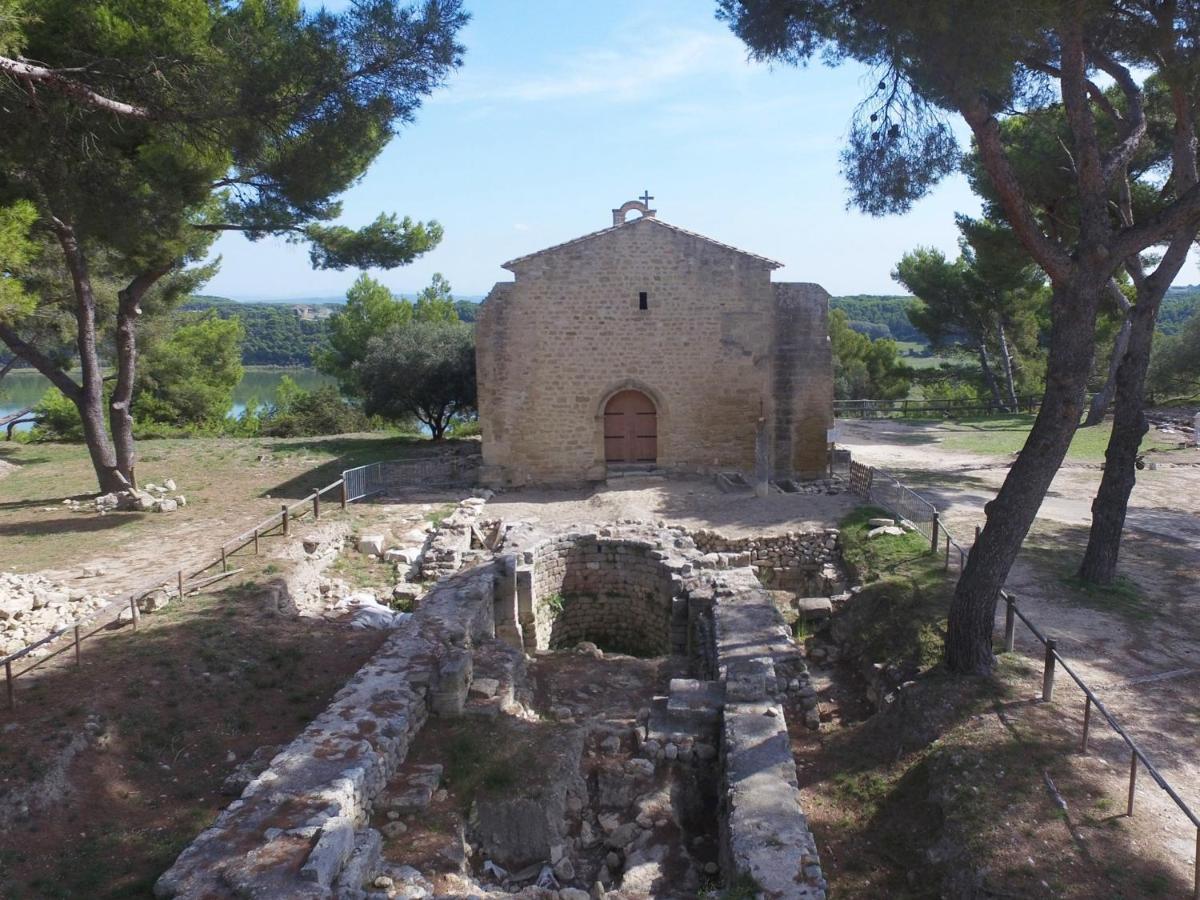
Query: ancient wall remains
{"points": [[807, 563], [613, 593]]}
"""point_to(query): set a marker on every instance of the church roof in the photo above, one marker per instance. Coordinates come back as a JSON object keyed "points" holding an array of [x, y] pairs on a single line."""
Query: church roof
{"points": [[631, 224]]}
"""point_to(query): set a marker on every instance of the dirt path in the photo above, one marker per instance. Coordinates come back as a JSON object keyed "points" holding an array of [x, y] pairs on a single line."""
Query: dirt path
{"points": [[1141, 653], [694, 504]]}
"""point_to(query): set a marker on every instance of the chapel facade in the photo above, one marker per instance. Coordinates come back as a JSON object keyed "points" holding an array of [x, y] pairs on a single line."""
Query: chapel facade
{"points": [[648, 346]]}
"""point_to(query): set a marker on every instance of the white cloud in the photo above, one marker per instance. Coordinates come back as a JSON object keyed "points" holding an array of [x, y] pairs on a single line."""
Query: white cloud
{"points": [[630, 71]]}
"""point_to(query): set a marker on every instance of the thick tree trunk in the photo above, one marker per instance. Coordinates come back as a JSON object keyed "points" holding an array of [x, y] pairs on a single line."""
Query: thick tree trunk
{"points": [[1007, 362], [989, 377], [1102, 399], [89, 397], [1011, 513], [120, 405], [1099, 565]]}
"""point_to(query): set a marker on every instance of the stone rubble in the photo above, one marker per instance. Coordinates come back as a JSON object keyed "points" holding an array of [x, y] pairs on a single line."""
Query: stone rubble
{"points": [[32, 606]]}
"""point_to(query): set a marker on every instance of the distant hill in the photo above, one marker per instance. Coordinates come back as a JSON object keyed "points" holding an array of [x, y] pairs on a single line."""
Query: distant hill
{"points": [[276, 334], [1179, 305], [289, 332], [877, 316]]}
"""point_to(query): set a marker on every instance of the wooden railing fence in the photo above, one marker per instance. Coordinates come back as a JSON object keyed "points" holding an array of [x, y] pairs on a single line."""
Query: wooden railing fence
{"points": [[866, 482], [183, 581], [930, 408]]}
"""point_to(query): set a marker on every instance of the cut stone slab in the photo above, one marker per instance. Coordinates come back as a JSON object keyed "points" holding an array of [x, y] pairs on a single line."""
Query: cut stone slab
{"points": [[814, 607], [884, 529], [485, 687], [880, 522], [371, 544], [416, 793]]}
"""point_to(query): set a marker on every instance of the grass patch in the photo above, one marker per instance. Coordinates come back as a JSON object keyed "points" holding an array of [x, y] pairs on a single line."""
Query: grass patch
{"points": [[1005, 435], [899, 616], [440, 514], [1124, 597]]}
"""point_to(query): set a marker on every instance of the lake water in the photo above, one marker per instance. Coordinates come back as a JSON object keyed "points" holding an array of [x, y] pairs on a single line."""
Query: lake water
{"points": [[25, 388]]}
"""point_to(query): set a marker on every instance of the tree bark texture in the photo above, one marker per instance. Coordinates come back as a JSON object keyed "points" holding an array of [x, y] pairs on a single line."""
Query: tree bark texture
{"points": [[1011, 513], [1111, 503], [89, 398]]}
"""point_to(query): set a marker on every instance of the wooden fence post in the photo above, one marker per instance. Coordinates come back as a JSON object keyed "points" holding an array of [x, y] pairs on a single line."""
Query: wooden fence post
{"points": [[933, 538], [78, 660], [180, 581], [1010, 622], [1048, 672], [256, 542], [316, 505], [1132, 781], [135, 613], [947, 566], [345, 494], [224, 561], [8, 680], [1087, 723], [284, 519]]}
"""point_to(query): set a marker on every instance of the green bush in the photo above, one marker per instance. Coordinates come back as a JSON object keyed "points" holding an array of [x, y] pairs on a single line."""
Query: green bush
{"points": [[300, 413], [58, 418]]}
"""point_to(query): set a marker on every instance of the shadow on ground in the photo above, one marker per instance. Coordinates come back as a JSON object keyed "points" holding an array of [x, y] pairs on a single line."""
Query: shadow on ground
{"points": [[176, 705]]}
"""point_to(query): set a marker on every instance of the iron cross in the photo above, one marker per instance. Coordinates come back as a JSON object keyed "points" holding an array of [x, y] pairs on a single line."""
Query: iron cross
{"points": [[646, 198]]}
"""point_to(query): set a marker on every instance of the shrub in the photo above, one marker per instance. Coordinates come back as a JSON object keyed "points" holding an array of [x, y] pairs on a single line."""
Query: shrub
{"points": [[58, 418], [300, 413]]}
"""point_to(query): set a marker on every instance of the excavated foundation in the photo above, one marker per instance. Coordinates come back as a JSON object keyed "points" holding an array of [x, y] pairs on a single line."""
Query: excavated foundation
{"points": [[592, 711]]}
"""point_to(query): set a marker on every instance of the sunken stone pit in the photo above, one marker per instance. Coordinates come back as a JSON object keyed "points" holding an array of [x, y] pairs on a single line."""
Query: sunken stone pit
{"points": [[596, 712]]}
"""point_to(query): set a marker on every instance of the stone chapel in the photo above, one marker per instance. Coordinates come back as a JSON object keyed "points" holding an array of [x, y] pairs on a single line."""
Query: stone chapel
{"points": [[644, 345]]}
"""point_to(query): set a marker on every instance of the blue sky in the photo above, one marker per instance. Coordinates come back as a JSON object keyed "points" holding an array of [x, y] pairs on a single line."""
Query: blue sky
{"points": [[564, 110]]}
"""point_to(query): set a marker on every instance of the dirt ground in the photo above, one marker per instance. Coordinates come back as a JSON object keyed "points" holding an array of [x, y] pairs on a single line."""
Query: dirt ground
{"points": [[694, 503], [1138, 647], [230, 484], [108, 771]]}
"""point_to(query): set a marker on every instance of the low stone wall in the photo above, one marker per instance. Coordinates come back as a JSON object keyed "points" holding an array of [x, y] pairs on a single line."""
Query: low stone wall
{"points": [[808, 563], [300, 823]]}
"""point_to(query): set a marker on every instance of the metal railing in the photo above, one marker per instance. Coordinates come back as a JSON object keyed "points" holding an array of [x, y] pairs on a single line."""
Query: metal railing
{"points": [[363, 481], [884, 489]]}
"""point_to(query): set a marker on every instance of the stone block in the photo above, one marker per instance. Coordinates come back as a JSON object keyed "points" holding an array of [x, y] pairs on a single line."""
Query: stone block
{"points": [[371, 544]]}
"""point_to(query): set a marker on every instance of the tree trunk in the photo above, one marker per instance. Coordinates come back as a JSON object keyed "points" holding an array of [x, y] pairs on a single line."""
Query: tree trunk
{"points": [[120, 406], [1099, 565], [1011, 513], [89, 397], [1007, 361], [989, 377], [1103, 397]]}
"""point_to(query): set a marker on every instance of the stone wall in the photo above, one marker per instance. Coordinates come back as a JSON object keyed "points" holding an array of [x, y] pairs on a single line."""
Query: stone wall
{"points": [[614, 593], [808, 563], [718, 348], [300, 823]]}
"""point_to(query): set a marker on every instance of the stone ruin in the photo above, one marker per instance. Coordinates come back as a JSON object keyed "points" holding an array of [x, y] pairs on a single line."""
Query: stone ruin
{"points": [[624, 691]]}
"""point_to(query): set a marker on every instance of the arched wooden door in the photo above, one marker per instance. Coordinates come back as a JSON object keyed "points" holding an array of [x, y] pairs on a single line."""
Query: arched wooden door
{"points": [[630, 429]]}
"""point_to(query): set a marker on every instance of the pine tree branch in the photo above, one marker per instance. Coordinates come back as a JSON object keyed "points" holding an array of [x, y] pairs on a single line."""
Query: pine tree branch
{"points": [[55, 80]]}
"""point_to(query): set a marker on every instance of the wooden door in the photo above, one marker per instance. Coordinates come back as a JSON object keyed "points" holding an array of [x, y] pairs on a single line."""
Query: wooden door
{"points": [[630, 429]]}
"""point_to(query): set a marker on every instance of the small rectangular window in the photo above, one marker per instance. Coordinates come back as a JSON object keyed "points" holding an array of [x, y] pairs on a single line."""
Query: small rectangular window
{"points": [[643, 302]]}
